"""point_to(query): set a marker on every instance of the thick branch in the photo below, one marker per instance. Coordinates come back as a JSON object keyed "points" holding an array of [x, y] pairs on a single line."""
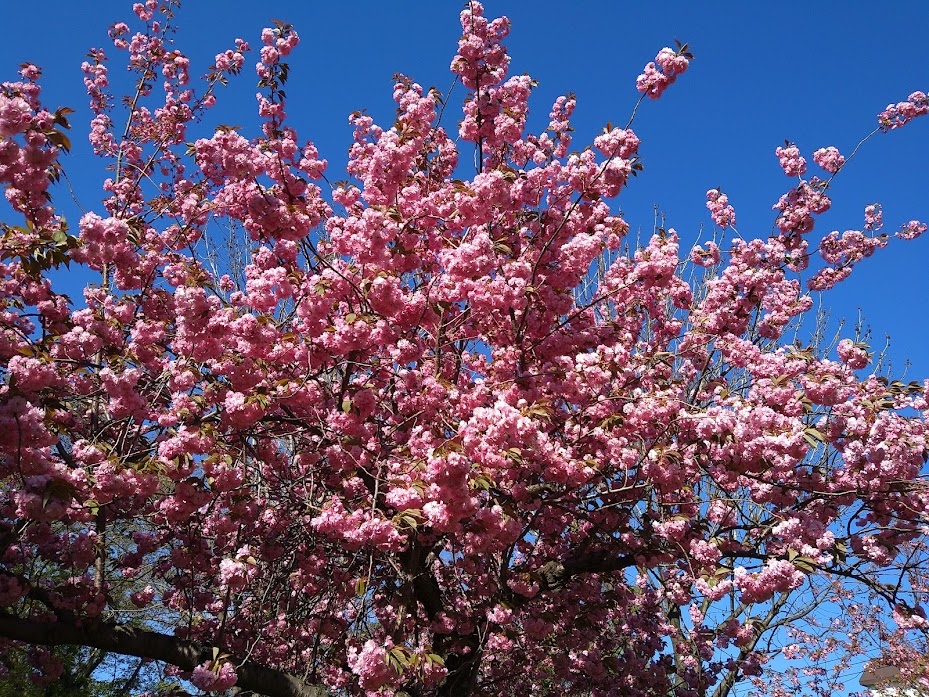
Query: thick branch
{"points": [[556, 574], [131, 641], [416, 561]]}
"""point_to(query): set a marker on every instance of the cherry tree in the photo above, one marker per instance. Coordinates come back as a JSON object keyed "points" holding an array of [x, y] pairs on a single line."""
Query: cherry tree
{"points": [[444, 430]]}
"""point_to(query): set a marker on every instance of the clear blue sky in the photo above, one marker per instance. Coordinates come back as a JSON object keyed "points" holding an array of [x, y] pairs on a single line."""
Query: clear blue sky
{"points": [[814, 72]]}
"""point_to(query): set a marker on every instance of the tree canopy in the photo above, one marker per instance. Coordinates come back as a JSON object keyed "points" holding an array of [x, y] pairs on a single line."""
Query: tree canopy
{"points": [[443, 427]]}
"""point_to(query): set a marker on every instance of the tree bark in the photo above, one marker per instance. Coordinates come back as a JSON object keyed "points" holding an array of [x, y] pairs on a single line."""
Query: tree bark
{"points": [[555, 574], [131, 641]]}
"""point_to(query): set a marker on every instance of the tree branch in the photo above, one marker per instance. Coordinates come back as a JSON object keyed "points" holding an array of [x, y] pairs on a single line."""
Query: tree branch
{"points": [[556, 574], [131, 641]]}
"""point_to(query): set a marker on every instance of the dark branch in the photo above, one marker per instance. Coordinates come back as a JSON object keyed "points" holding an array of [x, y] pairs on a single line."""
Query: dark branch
{"points": [[131, 641], [556, 574]]}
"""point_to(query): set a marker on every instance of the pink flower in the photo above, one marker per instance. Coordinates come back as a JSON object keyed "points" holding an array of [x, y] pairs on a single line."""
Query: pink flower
{"points": [[652, 82], [15, 115], [11, 590], [721, 211], [873, 216], [912, 230], [143, 597], [370, 664], [671, 62], [830, 159], [705, 257], [855, 356], [662, 73], [901, 113], [212, 677], [233, 574], [499, 615], [617, 143], [790, 160]]}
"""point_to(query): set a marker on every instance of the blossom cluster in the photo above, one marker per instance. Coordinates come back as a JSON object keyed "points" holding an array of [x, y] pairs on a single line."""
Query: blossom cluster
{"points": [[661, 73], [899, 114], [830, 159], [721, 210], [791, 161]]}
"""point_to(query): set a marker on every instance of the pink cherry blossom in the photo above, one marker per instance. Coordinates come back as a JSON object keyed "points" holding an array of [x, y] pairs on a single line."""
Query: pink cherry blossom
{"points": [[830, 159], [662, 73], [722, 212], [791, 161], [212, 678]]}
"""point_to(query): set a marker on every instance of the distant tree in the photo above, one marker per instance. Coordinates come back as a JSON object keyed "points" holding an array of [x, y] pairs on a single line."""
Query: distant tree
{"points": [[423, 445]]}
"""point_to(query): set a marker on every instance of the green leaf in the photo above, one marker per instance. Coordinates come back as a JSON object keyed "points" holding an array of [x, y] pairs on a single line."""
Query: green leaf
{"points": [[612, 421], [435, 658], [398, 658], [60, 139], [814, 436]]}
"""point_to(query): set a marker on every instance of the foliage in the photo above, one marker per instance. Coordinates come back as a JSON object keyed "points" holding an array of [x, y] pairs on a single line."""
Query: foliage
{"points": [[414, 447], [74, 681]]}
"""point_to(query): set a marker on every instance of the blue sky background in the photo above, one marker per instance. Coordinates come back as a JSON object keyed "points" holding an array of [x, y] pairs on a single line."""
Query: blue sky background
{"points": [[814, 73]]}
